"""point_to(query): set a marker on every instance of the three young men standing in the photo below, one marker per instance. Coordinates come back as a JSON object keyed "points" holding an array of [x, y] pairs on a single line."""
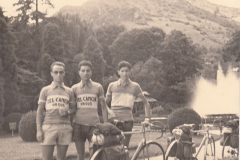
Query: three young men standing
{"points": [[82, 100]]}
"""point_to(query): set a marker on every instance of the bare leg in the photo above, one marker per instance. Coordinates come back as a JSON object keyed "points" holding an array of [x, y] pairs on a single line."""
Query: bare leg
{"points": [[61, 152], [126, 140], [128, 125], [47, 151], [80, 146]]}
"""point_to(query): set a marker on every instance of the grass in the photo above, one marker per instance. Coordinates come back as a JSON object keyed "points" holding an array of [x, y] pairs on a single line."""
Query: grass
{"points": [[14, 148]]}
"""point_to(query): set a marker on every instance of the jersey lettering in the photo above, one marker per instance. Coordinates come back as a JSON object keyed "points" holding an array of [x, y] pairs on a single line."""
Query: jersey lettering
{"points": [[87, 101], [56, 102]]}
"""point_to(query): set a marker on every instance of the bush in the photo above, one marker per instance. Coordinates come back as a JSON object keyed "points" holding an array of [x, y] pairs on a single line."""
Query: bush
{"points": [[27, 126], [12, 117], [183, 116], [157, 110]]}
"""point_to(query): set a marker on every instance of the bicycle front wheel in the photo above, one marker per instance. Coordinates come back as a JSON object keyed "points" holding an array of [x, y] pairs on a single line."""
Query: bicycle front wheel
{"points": [[228, 152], [209, 151], [151, 151]]}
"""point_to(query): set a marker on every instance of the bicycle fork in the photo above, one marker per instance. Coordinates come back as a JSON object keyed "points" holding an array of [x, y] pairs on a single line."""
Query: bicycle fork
{"points": [[140, 145]]}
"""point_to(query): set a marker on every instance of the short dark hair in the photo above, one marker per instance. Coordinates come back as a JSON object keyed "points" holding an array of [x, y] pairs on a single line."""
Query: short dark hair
{"points": [[57, 63], [124, 64], [84, 63]]}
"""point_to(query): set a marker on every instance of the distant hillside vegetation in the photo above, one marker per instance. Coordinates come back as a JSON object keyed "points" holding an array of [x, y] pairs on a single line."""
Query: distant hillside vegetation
{"points": [[205, 23]]}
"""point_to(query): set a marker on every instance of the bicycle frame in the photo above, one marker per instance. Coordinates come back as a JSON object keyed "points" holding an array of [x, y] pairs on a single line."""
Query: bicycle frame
{"points": [[141, 144], [203, 142], [201, 145], [206, 136]]}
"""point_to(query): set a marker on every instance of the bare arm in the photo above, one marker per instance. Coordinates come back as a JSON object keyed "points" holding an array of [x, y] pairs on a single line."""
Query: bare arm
{"points": [[147, 106], [108, 99], [39, 121], [71, 111], [72, 108], [111, 114], [104, 110]]}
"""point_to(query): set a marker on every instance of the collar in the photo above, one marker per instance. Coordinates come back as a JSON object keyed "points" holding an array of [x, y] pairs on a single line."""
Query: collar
{"points": [[88, 84], [54, 85], [119, 83]]}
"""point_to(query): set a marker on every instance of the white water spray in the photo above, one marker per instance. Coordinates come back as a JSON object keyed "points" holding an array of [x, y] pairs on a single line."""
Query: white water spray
{"points": [[220, 98]]}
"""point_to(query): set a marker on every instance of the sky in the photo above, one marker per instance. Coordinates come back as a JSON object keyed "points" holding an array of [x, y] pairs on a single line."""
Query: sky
{"points": [[10, 10]]}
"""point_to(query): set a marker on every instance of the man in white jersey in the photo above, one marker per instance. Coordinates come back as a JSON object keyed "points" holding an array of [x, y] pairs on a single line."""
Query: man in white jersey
{"points": [[54, 129], [122, 94], [87, 94]]}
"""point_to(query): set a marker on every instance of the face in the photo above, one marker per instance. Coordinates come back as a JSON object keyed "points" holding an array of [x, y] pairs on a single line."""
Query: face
{"points": [[85, 73], [57, 73], [124, 73]]}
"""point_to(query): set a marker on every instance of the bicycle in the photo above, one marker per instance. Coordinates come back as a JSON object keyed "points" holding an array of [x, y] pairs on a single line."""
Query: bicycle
{"points": [[229, 151], [150, 150], [208, 142]]}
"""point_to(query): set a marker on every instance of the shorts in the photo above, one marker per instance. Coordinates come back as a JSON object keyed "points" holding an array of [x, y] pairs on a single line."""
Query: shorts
{"points": [[82, 132], [57, 134], [128, 125]]}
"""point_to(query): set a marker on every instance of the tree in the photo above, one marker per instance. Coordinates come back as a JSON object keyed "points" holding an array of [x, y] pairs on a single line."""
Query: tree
{"points": [[37, 14], [148, 75], [181, 59], [44, 68], [93, 53], [25, 7], [75, 30], [231, 50], [2, 101], [23, 17], [211, 57], [8, 66], [52, 41], [106, 36], [136, 45]]}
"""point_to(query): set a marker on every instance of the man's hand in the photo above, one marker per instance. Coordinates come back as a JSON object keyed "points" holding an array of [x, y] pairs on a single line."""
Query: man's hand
{"points": [[111, 114], [63, 111], [40, 136]]}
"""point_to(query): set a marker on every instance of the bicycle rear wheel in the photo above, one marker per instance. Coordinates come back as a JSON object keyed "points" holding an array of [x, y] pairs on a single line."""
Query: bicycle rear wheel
{"points": [[209, 150], [96, 155], [151, 151], [171, 151], [228, 152]]}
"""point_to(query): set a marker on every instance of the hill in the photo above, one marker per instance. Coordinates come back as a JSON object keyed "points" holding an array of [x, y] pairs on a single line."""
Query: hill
{"points": [[206, 24]]}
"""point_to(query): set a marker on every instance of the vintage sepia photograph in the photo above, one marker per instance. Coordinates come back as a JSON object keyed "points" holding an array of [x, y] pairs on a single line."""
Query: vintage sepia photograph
{"points": [[119, 79]]}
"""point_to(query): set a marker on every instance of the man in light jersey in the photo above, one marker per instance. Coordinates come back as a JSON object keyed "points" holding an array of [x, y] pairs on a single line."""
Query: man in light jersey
{"points": [[87, 94], [123, 94], [54, 129]]}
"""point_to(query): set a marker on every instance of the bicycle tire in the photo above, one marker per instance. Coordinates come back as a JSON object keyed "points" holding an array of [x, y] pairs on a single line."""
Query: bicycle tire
{"points": [[94, 156], [155, 150], [209, 150], [169, 150], [228, 152]]}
